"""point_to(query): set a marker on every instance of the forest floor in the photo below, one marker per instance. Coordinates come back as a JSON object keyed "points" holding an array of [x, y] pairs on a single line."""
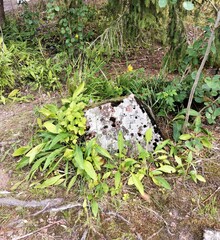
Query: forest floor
{"points": [[182, 213]]}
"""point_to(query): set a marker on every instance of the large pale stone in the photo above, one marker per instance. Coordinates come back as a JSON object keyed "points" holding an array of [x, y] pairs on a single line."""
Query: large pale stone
{"points": [[127, 115], [211, 235]]}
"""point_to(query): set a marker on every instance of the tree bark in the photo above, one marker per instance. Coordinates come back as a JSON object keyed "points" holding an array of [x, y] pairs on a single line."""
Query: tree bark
{"points": [[2, 13]]}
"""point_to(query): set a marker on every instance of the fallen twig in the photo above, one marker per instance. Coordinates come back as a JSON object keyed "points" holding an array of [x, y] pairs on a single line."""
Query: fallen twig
{"points": [[38, 230], [84, 234], [63, 207], [30, 204], [118, 216], [153, 235], [125, 220], [165, 222]]}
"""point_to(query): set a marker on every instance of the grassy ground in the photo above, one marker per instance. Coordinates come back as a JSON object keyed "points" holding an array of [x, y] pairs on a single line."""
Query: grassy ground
{"points": [[182, 213]]}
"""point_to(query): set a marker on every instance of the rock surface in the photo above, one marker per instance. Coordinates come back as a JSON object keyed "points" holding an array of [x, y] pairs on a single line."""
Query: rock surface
{"points": [[128, 116], [211, 235]]}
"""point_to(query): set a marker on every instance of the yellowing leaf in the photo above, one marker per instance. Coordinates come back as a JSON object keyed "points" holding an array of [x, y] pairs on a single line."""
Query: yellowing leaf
{"points": [[185, 137], [206, 143], [78, 157], [103, 152], [34, 151], [95, 208], [160, 181], [117, 179], [78, 90], [90, 170], [49, 182], [51, 127], [200, 178], [138, 184], [129, 68], [20, 151], [71, 183], [148, 135], [13, 93], [167, 169]]}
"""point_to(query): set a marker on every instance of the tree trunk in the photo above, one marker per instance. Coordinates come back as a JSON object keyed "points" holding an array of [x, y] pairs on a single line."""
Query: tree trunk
{"points": [[2, 13]]}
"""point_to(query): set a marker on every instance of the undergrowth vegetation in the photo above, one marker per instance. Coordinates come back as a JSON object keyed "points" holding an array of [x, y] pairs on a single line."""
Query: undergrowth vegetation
{"points": [[60, 46]]}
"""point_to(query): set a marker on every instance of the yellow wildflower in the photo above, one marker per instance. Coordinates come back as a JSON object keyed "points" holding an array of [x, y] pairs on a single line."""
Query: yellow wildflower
{"points": [[76, 36], [130, 68]]}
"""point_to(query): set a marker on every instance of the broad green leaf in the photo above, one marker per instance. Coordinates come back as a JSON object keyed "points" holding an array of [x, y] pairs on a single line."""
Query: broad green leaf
{"points": [[23, 162], [95, 208], [148, 135], [188, 5], [36, 166], [52, 157], [155, 173], [200, 178], [117, 179], [177, 127], [57, 9], [89, 146], [167, 169], [59, 138], [109, 166], [185, 137], [189, 157], [105, 187], [162, 145], [162, 182], [90, 170], [50, 181], [120, 143], [78, 157], [192, 112], [106, 175], [103, 152], [206, 143], [20, 151], [51, 127], [138, 184], [162, 3], [162, 157], [71, 183], [34, 151], [78, 90]]}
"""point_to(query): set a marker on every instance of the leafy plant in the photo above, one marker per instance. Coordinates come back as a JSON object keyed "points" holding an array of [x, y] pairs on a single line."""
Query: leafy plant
{"points": [[15, 96], [73, 18], [6, 74]]}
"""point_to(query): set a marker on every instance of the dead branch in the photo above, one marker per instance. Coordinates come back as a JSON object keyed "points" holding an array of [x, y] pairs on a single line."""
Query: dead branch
{"points": [[30, 204], [198, 74], [38, 230], [63, 207]]}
